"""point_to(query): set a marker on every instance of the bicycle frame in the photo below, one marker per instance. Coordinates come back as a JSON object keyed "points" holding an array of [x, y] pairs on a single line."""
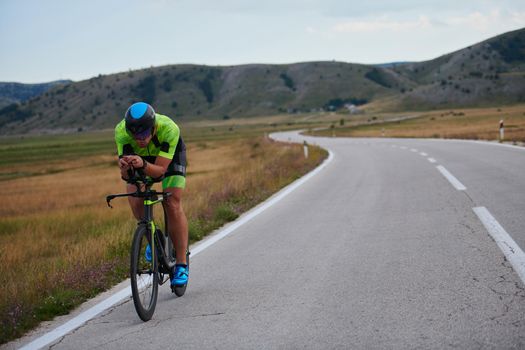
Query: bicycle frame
{"points": [[158, 267], [150, 223], [151, 197]]}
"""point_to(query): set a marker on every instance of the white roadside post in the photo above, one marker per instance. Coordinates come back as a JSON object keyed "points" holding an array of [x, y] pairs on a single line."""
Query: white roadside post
{"points": [[305, 145], [501, 131]]}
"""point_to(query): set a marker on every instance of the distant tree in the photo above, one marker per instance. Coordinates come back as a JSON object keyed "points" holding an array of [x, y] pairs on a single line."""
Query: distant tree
{"points": [[378, 77], [206, 86], [337, 103], [145, 90], [14, 112], [166, 85], [182, 77], [287, 81], [207, 89]]}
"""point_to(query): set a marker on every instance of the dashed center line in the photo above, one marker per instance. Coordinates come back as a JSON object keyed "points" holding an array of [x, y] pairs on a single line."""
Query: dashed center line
{"points": [[451, 178], [513, 253]]}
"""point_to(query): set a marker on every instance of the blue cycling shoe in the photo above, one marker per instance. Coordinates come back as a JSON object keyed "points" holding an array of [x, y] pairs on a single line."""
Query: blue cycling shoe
{"points": [[180, 275], [147, 253]]}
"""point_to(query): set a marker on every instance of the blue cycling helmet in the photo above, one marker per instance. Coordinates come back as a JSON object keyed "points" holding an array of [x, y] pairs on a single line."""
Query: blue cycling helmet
{"points": [[140, 117]]}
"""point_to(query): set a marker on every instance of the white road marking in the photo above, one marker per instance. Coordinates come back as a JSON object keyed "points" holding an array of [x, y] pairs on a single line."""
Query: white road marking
{"points": [[512, 251], [423, 154], [413, 150], [78, 321], [451, 178], [431, 160], [403, 147], [87, 315]]}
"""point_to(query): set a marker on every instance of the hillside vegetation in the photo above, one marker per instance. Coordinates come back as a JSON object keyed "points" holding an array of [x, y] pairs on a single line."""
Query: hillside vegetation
{"points": [[17, 92], [488, 73], [192, 92]]}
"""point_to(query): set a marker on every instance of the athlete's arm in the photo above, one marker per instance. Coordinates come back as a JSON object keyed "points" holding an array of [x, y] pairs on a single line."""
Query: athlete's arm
{"points": [[124, 167], [154, 170]]}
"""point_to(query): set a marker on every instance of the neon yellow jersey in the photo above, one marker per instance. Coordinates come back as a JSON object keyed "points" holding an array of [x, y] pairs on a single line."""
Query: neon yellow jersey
{"points": [[164, 143]]}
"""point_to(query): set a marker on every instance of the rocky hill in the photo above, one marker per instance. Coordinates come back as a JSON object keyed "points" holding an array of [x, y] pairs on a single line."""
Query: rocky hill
{"points": [[488, 73], [491, 72]]}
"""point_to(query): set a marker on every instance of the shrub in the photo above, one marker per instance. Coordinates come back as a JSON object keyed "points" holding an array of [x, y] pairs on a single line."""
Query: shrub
{"points": [[378, 77], [166, 85], [288, 82], [145, 90]]}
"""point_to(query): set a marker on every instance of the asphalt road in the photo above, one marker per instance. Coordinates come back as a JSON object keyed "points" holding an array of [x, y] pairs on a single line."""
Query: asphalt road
{"points": [[377, 251]]}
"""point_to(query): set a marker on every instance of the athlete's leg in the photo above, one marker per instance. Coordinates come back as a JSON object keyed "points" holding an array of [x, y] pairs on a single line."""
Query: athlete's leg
{"points": [[136, 204], [177, 223]]}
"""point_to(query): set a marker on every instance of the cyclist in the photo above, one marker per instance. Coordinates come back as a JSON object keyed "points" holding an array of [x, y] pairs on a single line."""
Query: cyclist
{"points": [[150, 141]]}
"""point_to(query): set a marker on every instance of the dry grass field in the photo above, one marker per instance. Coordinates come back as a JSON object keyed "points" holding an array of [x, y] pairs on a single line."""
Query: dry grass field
{"points": [[471, 123], [61, 244]]}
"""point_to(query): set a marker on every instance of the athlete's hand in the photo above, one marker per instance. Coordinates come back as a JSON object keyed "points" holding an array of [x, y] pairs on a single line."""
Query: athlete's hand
{"points": [[123, 163], [135, 161]]}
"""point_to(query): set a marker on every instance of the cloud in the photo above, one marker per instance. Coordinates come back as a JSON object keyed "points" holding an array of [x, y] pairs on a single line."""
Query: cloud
{"points": [[382, 24], [485, 21], [477, 21]]}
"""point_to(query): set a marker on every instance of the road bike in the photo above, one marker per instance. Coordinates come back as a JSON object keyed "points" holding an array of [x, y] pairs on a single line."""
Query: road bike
{"points": [[148, 271]]}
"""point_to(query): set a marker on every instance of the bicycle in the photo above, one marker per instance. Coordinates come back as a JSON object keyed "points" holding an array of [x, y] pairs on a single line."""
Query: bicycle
{"points": [[147, 274]]}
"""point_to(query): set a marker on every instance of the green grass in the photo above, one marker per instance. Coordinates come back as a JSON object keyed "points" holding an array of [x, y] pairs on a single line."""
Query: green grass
{"points": [[27, 149]]}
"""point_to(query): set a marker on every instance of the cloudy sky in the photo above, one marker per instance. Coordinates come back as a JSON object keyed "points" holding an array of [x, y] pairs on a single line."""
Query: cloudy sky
{"points": [[63, 39]]}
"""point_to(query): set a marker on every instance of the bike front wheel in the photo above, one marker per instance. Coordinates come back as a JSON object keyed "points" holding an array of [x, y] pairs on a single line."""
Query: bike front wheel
{"points": [[144, 275]]}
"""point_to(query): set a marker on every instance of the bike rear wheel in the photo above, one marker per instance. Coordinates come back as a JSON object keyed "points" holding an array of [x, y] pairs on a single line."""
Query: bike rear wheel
{"points": [[144, 275]]}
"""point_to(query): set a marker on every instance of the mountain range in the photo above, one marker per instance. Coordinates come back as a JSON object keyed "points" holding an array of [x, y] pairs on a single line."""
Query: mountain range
{"points": [[489, 73], [17, 92]]}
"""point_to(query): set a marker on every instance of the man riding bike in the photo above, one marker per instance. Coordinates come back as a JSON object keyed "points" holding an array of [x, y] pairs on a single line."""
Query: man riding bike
{"points": [[152, 142]]}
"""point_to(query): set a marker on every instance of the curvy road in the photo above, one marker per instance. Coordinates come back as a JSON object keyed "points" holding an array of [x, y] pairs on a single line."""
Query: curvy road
{"points": [[392, 244]]}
